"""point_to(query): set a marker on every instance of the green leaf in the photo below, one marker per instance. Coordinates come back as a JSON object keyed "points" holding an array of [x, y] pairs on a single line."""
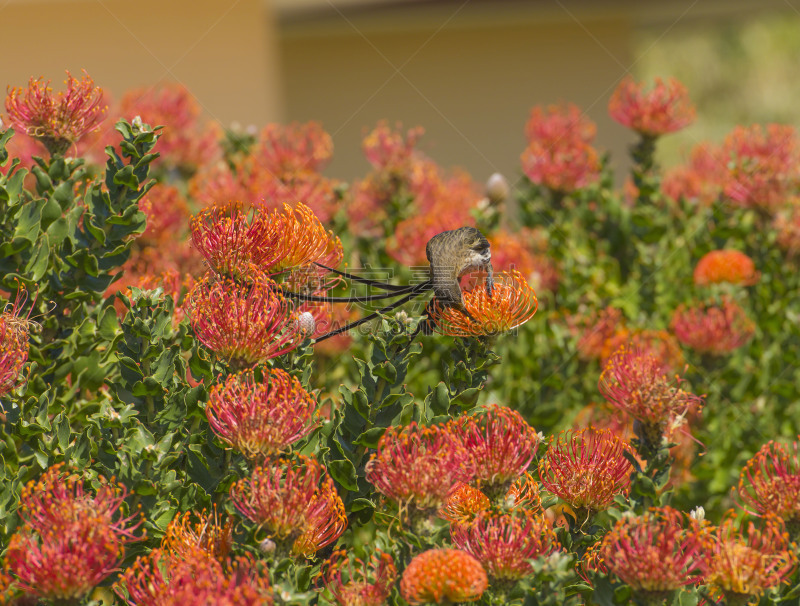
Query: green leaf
{"points": [[344, 473], [63, 431], [29, 221], [37, 266], [439, 399], [370, 438], [387, 371], [127, 178]]}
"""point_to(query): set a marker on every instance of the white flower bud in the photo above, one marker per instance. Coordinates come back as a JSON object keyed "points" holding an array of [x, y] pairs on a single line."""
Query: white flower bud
{"points": [[497, 188], [305, 323], [267, 546], [698, 513]]}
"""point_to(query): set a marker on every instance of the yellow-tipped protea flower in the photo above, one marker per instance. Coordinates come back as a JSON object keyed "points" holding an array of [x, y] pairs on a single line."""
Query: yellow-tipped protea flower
{"points": [[56, 121], [511, 304], [742, 565], [303, 240], [770, 483], [244, 323], [260, 415], [234, 242], [205, 531], [443, 576]]}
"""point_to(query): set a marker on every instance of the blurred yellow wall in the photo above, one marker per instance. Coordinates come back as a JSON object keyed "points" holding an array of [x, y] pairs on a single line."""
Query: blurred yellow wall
{"points": [[224, 52], [468, 76]]}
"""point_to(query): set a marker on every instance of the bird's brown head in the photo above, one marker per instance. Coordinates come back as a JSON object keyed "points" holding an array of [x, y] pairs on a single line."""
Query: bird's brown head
{"points": [[454, 253]]}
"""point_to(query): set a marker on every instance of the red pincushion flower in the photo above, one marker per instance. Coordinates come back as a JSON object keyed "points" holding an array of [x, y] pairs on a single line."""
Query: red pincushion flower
{"points": [[511, 304], [243, 323], [762, 165], [443, 575], [357, 583], [164, 579], [14, 337], [70, 539], [660, 344], [504, 542], [742, 565], [389, 150], [185, 141], [167, 214], [206, 532], [420, 465], [654, 553], [296, 148], [523, 250], [770, 481], [665, 108], [729, 266], [236, 243], [713, 328], [559, 154], [326, 520], [586, 468], [294, 503], [60, 121], [637, 383], [700, 180], [502, 446], [260, 417], [277, 495]]}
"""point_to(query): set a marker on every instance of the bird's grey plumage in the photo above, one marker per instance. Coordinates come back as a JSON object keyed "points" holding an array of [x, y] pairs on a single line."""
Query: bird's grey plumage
{"points": [[452, 254]]}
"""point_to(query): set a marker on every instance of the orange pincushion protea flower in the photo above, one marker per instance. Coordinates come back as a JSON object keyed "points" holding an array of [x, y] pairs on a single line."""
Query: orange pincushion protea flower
{"points": [[653, 553], [71, 539], [637, 383], [262, 416], [293, 503], [743, 565], [60, 121], [504, 542], [761, 165], [356, 583], [559, 154], [511, 304], [293, 149], [665, 108], [303, 239], [276, 495], [205, 531], [713, 328], [236, 243], [729, 266], [770, 482], [326, 520], [243, 323], [14, 337], [660, 344], [419, 465], [167, 579], [502, 445], [464, 503], [443, 575], [586, 468]]}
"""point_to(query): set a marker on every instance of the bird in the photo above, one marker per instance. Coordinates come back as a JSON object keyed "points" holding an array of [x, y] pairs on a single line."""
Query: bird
{"points": [[451, 254]]}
